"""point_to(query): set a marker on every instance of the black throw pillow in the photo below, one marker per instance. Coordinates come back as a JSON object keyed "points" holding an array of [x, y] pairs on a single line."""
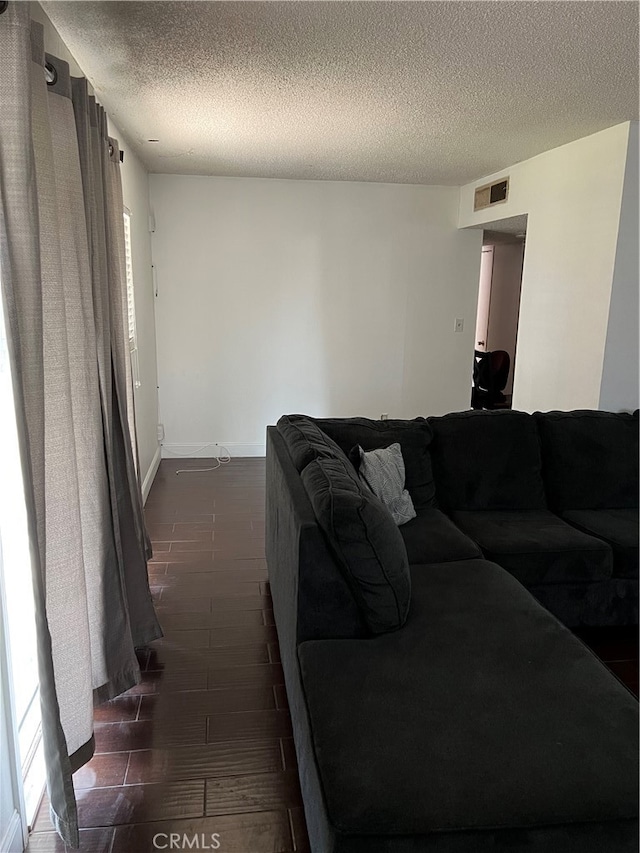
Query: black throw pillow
{"points": [[305, 440], [364, 539]]}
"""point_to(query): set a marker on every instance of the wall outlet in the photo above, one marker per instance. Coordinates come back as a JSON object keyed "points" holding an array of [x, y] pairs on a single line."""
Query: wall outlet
{"points": [[458, 325], [160, 432], [384, 416]]}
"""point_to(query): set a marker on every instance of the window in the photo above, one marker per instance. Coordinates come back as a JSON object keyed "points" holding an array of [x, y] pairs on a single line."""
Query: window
{"points": [[131, 304], [22, 752]]}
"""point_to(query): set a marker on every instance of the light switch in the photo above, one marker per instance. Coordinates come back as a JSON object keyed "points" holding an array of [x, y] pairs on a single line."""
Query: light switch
{"points": [[458, 325]]}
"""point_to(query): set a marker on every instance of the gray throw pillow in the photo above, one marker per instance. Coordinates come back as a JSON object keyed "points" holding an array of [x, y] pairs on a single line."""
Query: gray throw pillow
{"points": [[383, 471]]}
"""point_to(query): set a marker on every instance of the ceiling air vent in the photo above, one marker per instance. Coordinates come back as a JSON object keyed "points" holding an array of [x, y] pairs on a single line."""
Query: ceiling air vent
{"points": [[491, 194]]}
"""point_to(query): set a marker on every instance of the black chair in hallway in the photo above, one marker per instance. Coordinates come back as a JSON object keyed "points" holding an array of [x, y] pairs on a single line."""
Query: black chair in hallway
{"points": [[490, 374]]}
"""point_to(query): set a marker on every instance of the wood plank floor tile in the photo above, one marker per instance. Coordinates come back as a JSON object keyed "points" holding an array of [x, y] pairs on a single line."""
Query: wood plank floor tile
{"points": [[233, 522], [186, 555], [91, 841], [274, 652], [171, 680], [262, 832], [224, 602], [225, 538], [268, 617], [205, 702], [138, 803], [252, 793], [248, 724], [289, 758], [172, 516], [144, 734], [247, 635], [199, 580], [122, 708], [299, 831], [235, 758], [195, 604], [266, 675], [218, 619], [203, 544], [105, 770], [168, 657], [247, 551], [238, 564], [160, 531], [280, 694], [192, 530], [199, 639]]}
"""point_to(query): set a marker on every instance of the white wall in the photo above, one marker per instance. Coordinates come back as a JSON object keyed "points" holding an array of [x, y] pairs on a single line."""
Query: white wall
{"points": [[572, 195], [619, 388], [316, 297], [135, 188]]}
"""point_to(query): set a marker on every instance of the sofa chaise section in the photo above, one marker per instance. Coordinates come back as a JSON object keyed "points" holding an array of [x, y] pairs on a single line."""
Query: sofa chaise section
{"points": [[472, 728]]}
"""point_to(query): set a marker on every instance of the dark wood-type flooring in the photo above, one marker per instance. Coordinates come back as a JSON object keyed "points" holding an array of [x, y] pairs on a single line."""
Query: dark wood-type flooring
{"points": [[203, 744]]}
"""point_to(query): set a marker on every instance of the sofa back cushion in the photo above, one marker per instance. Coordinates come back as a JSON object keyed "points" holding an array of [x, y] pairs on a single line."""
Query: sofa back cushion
{"points": [[487, 460], [589, 459], [364, 539], [305, 440], [413, 436]]}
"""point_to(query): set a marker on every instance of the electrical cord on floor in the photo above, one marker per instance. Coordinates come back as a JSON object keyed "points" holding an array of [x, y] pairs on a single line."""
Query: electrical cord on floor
{"points": [[221, 460]]}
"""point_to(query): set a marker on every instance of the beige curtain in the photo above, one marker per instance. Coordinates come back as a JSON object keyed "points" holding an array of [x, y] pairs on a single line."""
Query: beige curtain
{"points": [[62, 263]]}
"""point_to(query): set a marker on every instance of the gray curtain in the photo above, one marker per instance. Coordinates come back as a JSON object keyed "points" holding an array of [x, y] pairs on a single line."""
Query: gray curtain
{"points": [[64, 293]]}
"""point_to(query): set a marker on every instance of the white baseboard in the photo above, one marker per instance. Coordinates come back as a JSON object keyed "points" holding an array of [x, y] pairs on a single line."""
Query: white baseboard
{"points": [[210, 450], [12, 841], [150, 476]]}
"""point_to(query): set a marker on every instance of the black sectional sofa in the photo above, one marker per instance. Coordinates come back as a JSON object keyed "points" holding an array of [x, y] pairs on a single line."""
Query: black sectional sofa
{"points": [[437, 705]]}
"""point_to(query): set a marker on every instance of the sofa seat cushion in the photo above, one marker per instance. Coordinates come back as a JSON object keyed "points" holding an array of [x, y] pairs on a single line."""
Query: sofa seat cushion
{"points": [[305, 440], [618, 527], [413, 436], [364, 539], [590, 459], [536, 546], [482, 712], [431, 537], [487, 460]]}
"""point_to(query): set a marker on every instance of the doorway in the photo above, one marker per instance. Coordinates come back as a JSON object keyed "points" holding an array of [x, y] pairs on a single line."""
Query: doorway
{"points": [[497, 317]]}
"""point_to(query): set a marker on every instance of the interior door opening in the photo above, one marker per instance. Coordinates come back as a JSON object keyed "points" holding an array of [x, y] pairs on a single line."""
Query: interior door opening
{"points": [[497, 315]]}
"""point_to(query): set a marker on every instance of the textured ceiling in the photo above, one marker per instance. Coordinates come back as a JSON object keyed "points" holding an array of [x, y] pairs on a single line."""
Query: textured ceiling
{"points": [[424, 92]]}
